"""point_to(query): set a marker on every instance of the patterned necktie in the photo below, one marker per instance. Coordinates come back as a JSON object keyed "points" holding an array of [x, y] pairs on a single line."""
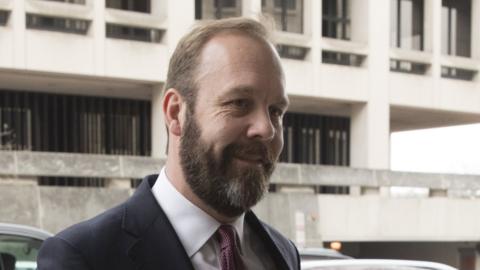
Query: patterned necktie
{"points": [[229, 254]]}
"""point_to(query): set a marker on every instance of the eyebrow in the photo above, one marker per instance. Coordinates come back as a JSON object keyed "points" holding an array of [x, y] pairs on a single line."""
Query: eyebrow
{"points": [[247, 90]]}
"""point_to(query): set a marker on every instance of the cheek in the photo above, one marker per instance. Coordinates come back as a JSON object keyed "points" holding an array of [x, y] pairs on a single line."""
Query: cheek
{"points": [[278, 144]]}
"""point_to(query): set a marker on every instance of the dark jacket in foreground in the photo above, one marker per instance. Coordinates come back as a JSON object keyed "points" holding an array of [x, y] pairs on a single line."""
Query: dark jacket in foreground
{"points": [[138, 235]]}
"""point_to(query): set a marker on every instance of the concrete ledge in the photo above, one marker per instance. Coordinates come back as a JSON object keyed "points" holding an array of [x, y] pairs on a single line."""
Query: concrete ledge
{"points": [[33, 164]]}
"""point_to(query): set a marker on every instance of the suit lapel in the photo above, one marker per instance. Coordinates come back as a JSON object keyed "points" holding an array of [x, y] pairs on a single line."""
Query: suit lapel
{"points": [[270, 241], [153, 242]]}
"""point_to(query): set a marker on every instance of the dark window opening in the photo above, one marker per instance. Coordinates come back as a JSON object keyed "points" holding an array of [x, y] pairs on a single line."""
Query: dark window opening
{"points": [[344, 59], [134, 33], [292, 52], [336, 19], [338, 190], [134, 183], [456, 27], [130, 5], [74, 124], [315, 139], [458, 73], [4, 17], [408, 67], [67, 25], [407, 31], [217, 9], [288, 14], [71, 181]]}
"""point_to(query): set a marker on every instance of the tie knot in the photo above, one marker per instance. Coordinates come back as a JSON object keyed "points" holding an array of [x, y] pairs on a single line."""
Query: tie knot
{"points": [[226, 236], [230, 258]]}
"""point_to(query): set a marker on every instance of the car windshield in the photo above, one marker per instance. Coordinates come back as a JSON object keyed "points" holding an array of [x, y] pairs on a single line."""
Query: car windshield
{"points": [[18, 251]]}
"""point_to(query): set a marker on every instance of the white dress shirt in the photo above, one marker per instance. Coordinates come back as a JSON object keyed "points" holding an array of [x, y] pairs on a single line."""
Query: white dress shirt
{"points": [[195, 229]]}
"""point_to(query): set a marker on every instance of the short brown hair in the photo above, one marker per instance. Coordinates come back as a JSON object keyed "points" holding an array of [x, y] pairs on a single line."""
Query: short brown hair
{"points": [[185, 58]]}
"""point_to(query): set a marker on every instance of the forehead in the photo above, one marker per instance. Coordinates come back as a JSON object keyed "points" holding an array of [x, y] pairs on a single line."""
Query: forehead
{"points": [[239, 61]]}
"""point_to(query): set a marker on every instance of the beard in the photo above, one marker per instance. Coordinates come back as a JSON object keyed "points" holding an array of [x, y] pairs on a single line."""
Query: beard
{"points": [[227, 189]]}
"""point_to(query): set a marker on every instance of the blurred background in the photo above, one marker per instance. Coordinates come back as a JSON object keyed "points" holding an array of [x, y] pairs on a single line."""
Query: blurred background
{"points": [[81, 120]]}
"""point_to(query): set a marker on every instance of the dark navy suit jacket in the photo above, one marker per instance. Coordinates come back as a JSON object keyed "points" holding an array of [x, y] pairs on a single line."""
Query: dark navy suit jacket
{"points": [[138, 235]]}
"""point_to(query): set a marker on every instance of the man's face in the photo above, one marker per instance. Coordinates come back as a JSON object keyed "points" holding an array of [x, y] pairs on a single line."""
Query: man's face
{"points": [[231, 140]]}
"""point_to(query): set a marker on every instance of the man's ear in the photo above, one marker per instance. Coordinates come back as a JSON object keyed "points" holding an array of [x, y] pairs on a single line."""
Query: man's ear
{"points": [[172, 107]]}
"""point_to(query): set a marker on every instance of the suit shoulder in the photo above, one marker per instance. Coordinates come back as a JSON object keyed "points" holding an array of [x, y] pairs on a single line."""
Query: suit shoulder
{"points": [[286, 247], [102, 228], [280, 239]]}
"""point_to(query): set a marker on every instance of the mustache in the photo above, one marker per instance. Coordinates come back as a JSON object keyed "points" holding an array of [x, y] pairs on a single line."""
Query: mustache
{"points": [[255, 148]]}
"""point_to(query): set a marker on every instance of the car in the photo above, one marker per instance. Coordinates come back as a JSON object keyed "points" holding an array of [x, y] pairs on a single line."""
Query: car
{"points": [[308, 254], [19, 246], [373, 264]]}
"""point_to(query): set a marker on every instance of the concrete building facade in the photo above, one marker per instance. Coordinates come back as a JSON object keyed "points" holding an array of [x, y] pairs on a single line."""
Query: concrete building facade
{"points": [[80, 114]]}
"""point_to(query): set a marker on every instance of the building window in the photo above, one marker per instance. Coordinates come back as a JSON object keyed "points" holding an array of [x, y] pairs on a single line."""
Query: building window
{"points": [[288, 14], [458, 73], [74, 124], [292, 52], [344, 59], [134, 33], [4, 17], [456, 27], [130, 5], [15, 124], [67, 25], [408, 67], [315, 139], [217, 9], [336, 19], [407, 24]]}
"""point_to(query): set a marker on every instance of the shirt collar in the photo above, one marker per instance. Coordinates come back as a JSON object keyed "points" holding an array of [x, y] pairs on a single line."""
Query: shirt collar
{"points": [[182, 214]]}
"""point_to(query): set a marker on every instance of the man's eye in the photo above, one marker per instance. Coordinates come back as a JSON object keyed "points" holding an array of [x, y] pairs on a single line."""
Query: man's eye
{"points": [[276, 112], [240, 103]]}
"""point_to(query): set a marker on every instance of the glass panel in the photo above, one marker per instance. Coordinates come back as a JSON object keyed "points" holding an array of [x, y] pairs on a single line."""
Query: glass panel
{"points": [[19, 251], [288, 14], [456, 27], [336, 19], [407, 24]]}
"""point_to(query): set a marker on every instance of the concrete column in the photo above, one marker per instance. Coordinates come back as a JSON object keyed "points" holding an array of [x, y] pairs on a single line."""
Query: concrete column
{"points": [[316, 33], [251, 8], [159, 133], [181, 17], [370, 122], [433, 36], [475, 29], [18, 22], [98, 31]]}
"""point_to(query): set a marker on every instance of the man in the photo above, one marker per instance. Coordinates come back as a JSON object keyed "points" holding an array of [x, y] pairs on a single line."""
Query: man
{"points": [[223, 106]]}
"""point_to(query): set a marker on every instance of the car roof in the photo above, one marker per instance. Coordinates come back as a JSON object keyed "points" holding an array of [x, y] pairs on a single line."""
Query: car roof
{"points": [[322, 253], [22, 230], [377, 262]]}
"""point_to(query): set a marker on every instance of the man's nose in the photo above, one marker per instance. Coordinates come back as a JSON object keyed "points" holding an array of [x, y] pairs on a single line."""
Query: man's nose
{"points": [[261, 126]]}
